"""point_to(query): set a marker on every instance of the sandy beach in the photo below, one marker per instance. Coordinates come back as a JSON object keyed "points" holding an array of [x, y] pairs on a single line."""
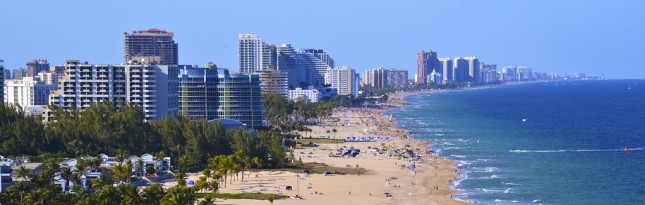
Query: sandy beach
{"points": [[388, 171]]}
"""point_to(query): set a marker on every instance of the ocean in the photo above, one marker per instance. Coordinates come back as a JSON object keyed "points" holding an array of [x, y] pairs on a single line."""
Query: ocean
{"points": [[557, 142]]}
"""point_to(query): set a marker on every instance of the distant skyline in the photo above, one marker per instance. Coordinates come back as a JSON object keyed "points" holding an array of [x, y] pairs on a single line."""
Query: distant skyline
{"points": [[594, 37]]}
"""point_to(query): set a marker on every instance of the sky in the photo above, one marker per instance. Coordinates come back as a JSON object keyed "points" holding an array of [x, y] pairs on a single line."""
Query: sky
{"points": [[590, 36]]}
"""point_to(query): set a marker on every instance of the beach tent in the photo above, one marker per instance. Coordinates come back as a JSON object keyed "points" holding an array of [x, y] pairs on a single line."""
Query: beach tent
{"points": [[328, 173], [191, 182], [289, 188]]}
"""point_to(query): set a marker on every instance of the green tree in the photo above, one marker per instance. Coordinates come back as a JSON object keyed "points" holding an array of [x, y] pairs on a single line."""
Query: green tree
{"points": [[23, 172], [152, 195], [179, 196]]}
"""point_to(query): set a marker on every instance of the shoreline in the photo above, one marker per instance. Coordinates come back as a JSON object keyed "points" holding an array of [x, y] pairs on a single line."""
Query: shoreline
{"points": [[399, 102], [390, 178]]}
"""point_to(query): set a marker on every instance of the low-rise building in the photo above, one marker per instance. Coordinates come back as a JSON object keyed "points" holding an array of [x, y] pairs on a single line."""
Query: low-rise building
{"points": [[311, 94]]}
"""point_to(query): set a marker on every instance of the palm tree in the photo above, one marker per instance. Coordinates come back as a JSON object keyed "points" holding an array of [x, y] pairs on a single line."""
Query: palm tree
{"points": [[179, 177], [334, 131], [129, 194], [152, 194], [101, 182], [119, 172], [214, 185], [179, 196], [201, 183], [257, 162], [208, 200], [20, 189], [140, 165], [271, 198], [207, 173], [22, 172], [66, 173]]}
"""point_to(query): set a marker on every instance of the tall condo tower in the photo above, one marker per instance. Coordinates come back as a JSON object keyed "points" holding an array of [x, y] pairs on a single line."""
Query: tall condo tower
{"points": [[153, 45], [254, 55], [426, 63]]}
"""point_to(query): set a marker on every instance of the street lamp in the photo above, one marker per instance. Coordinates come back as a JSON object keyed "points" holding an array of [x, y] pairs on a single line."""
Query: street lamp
{"points": [[298, 183]]}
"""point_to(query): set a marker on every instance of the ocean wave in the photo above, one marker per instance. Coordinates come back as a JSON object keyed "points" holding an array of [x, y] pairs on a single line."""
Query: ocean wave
{"points": [[510, 184], [492, 169], [452, 148], [577, 150], [494, 176], [458, 156]]}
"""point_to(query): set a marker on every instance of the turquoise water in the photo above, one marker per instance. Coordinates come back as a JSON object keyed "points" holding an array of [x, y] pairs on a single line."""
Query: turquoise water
{"points": [[539, 143]]}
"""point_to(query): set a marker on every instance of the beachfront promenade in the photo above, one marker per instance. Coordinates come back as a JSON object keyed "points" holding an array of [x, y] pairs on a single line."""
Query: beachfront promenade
{"points": [[389, 172]]}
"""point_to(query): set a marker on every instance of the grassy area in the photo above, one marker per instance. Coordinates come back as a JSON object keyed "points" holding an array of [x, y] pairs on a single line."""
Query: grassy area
{"points": [[256, 196], [322, 168], [316, 141]]}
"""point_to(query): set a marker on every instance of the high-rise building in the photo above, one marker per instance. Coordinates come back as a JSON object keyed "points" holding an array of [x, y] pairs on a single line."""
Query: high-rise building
{"points": [[321, 55], [447, 70], [343, 79], [48, 78], [7, 74], [289, 62], [435, 78], [269, 57], [28, 91], [509, 73], [317, 61], [473, 69], [426, 63], [254, 55], [240, 98], [376, 78], [397, 78], [152, 87], [249, 53], [488, 72], [198, 95], [460, 70], [304, 67], [153, 45], [36, 66], [19, 73], [524, 74], [274, 82]]}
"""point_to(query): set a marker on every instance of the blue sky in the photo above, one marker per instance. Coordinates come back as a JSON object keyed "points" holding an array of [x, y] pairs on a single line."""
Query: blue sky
{"points": [[596, 37]]}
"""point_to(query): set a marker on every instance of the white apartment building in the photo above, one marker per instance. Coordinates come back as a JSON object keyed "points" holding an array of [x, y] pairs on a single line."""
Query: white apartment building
{"points": [[311, 94], [48, 77], [343, 79], [153, 87], [253, 54], [28, 91]]}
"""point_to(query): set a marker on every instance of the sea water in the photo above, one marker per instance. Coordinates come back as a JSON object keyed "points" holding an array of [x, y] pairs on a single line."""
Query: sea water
{"points": [[558, 142]]}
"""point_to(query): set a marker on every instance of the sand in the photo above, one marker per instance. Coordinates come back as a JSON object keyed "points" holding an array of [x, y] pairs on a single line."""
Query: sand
{"points": [[427, 184]]}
